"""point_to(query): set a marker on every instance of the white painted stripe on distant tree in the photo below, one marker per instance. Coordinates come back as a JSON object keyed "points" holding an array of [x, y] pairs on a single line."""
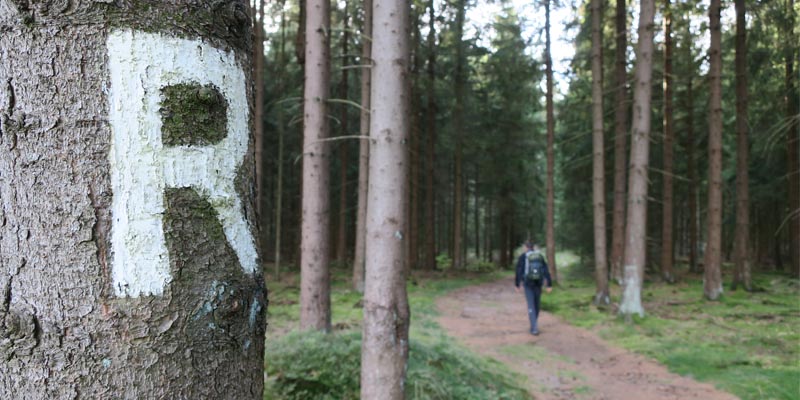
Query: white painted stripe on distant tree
{"points": [[140, 65]]}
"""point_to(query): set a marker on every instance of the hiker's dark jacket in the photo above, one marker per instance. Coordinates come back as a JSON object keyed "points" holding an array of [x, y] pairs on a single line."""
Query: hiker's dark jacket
{"points": [[521, 272]]}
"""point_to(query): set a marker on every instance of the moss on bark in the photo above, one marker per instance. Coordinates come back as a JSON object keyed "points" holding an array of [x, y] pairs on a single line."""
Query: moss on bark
{"points": [[192, 114]]}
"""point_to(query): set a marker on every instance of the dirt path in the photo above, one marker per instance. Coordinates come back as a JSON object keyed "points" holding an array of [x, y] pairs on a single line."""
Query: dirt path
{"points": [[564, 362]]}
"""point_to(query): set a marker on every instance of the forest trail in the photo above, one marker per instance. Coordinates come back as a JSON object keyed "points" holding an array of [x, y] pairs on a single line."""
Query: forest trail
{"points": [[563, 362]]}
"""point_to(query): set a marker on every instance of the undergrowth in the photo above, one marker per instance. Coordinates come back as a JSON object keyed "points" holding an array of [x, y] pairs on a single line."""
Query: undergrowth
{"points": [[326, 366], [319, 366]]}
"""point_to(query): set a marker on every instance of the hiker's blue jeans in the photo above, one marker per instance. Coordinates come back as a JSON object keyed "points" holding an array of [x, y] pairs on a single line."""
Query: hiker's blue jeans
{"points": [[533, 294]]}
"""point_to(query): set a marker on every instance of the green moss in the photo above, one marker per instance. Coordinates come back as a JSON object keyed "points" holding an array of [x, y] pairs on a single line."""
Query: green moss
{"points": [[193, 114], [223, 23]]}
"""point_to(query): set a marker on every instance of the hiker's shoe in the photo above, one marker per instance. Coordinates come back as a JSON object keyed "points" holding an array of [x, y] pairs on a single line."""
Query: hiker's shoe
{"points": [[535, 332]]}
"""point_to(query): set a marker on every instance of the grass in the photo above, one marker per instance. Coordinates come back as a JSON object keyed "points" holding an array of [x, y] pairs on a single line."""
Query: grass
{"points": [[314, 365], [746, 343]]}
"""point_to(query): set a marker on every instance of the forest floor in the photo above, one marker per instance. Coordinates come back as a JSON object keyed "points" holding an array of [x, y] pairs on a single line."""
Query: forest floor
{"points": [[564, 361]]}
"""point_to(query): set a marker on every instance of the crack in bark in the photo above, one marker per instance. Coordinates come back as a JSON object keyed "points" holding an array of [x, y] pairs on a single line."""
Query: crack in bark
{"points": [[11, 97], [99, 237]]}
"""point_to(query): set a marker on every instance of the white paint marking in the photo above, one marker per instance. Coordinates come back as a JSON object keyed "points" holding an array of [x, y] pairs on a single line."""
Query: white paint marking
{"points": [[140, 65]]}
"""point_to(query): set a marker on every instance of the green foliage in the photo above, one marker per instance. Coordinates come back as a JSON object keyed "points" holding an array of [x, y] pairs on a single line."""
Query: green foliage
{"points": [[481, 266], [443, 261], [312, 365], [319, 366]]}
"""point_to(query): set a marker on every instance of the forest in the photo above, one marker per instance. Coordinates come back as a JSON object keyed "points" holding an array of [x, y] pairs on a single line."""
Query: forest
{"points": [[306, 199]]}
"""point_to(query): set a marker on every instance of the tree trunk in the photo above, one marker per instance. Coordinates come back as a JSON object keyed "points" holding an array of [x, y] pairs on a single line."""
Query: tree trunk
{"points": [[476, 216], [315, 299], [550, 219], [363, 153], [384, 348], [742, 241], [415, 148], [458, 121], [691, 167], [430, 232], [636, 219], [487, 237], [258, 54], [598, 181], [341, 235], [667, 251], [279, 117], [792, 143], [104, 257], [712, 283], [620, 141]]}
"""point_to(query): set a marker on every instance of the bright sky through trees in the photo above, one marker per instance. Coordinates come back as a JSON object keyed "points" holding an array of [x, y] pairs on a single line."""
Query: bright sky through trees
{"points": [[531, 15]]}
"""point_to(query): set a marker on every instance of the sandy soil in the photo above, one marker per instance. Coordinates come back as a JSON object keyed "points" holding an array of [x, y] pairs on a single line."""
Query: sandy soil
{"points": [[563, 362]]}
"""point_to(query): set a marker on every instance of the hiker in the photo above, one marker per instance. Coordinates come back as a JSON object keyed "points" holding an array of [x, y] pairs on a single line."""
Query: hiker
{"points": [[532, 272]]}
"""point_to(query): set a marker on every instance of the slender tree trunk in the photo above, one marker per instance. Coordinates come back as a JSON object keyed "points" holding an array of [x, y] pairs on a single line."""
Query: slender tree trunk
{"points": [[84, 313], [341, 236], [258, 54], [300, 37], [430, 232], [363, 154], [315, 299], [413, 224], [667, 250], [487, 237], [279, 117], [416, 146], [476, 215], [792, 142], [598, 181], [620, 142], [742, 241], [636, 226], [384, 349], [691, 166], [712, 283], [550, 223], [458, 121]]}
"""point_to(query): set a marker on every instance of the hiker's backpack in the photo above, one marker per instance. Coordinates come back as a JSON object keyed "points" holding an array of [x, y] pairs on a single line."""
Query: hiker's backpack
{"points": [[534, 268]]}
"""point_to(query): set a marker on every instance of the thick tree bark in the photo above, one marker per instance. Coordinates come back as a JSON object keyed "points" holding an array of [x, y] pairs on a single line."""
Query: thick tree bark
{"points": [[712, 282], [384, 348], [598, 168], [550, 232], [742, 242], [430, 232], [636, 220], [667, 251], [458, 121], [78, 319], [315, 299], [341, 235], [363, 152], [620, 142], [792, 142]]}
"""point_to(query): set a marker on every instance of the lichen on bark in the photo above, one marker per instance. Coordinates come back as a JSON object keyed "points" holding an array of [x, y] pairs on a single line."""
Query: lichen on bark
{"points": [[192, 114]]}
